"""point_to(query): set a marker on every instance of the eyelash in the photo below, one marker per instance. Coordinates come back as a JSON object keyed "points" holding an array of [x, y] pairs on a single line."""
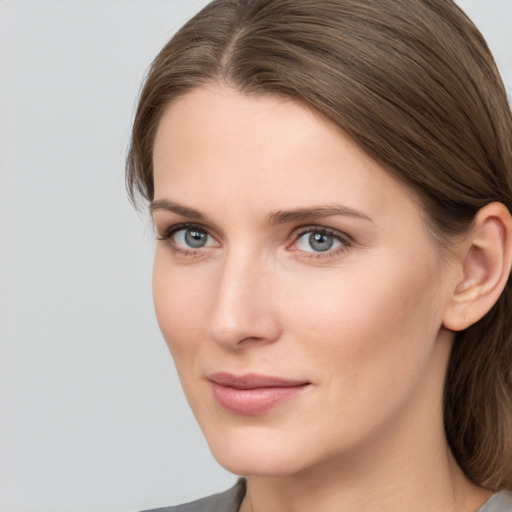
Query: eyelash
{"points": [[345, 241], [168, 234]]}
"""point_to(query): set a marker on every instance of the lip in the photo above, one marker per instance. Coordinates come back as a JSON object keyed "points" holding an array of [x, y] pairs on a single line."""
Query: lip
{"points": [[252, 394]]}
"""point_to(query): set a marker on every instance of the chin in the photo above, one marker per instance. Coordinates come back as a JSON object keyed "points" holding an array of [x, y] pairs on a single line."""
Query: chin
{"points": [[258, 461], [259, 452]]}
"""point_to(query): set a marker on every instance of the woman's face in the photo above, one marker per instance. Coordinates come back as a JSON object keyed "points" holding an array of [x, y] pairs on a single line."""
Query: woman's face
{"points": [[296, 284]]}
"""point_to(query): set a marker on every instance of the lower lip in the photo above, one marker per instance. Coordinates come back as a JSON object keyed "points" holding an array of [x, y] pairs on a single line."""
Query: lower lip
{"points": [[251, 402]]}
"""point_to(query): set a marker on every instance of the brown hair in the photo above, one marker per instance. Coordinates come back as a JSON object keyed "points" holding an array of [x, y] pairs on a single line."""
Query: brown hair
{"points": [[414, 84]]}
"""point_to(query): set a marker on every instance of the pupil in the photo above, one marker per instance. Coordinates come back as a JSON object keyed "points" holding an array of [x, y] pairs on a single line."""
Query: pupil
{"points": [[195, 238], [320, 242]]}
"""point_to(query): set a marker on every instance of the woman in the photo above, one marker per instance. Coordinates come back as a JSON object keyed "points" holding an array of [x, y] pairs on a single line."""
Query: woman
{"points": [[330, 184]]}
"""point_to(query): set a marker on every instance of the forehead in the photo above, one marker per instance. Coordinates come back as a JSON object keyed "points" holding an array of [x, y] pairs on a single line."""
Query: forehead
{"points": [[217, 146]]}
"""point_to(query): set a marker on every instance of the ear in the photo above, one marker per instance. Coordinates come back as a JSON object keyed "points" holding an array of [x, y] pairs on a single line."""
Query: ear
{"points": [[486, 265]]}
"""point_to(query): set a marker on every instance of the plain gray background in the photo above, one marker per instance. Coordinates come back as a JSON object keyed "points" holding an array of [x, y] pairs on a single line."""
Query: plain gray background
{"points": [[92, 418]]}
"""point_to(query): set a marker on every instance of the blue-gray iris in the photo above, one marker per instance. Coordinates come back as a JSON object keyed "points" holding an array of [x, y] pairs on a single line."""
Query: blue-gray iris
{"points": [[320, 242]]}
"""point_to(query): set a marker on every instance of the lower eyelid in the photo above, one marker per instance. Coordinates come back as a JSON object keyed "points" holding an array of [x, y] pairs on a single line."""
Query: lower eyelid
{"points": [[185, 253]]}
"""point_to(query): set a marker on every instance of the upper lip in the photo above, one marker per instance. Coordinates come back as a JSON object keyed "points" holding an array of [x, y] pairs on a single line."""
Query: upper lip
{"points": [[253, 381]]}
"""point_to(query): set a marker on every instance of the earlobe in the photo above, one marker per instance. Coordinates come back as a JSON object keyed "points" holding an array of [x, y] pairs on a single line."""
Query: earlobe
{"points": [[486, 266]]}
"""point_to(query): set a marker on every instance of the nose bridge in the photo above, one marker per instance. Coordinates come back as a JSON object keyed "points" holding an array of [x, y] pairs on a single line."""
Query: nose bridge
{"points": [[243, 304]]}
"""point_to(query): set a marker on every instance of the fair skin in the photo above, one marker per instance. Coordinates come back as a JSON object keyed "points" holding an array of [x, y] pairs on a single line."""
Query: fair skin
{"points": [[287, 252]]}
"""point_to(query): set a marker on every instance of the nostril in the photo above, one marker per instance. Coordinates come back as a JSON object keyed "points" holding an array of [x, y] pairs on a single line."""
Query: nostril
{"points": [[250, 339]]}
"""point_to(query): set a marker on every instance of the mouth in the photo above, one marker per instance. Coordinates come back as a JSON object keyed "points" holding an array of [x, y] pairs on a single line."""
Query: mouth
{"points": [[252, 394]]}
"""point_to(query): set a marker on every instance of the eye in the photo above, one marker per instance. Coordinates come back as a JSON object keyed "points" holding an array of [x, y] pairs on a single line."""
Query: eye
{"points": [[192, 238], [183, 238], [319, 240]]}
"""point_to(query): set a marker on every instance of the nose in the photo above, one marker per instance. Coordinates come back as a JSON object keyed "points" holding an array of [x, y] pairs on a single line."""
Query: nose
{"points": [[243, 311]]}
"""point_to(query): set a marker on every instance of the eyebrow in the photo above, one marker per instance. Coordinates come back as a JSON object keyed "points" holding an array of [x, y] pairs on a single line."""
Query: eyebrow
{"points": [[184, 211], [316, 212], [274, 218]]}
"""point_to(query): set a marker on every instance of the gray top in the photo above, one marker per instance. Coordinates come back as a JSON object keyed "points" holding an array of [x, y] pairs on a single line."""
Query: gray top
{"points": [[498, 502], [230, 501]]}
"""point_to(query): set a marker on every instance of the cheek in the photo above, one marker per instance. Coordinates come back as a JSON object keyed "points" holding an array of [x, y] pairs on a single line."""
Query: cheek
{"points": [[179, 304], [367, 320], [369, 341]]}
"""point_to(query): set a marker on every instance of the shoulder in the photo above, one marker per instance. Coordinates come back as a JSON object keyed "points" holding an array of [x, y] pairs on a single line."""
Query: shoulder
{"points": [[227, 501], [498, 502]]}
